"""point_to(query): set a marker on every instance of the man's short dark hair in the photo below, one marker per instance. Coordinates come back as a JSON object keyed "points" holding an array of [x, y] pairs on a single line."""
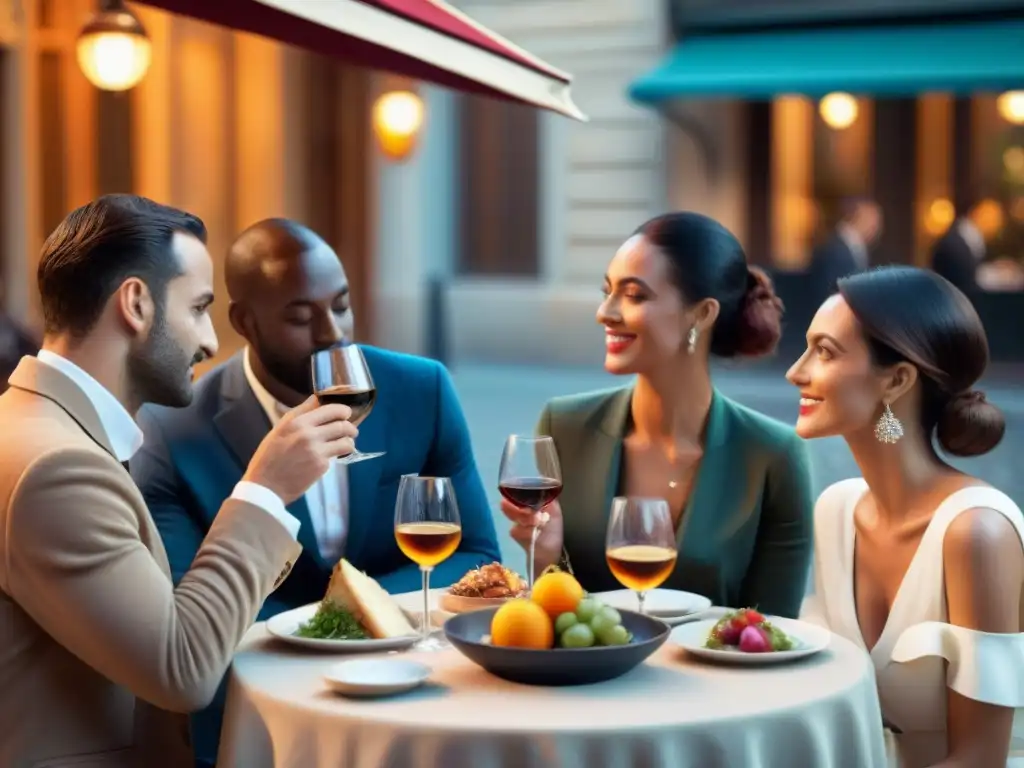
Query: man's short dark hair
{"points": [[99, 246]]}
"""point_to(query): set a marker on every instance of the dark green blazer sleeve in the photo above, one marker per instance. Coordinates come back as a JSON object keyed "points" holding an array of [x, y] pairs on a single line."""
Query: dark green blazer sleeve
{"points": [[776, 579], [544, 422]]}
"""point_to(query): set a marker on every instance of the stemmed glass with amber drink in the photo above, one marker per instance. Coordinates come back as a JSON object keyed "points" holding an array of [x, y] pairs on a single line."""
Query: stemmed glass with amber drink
{"points": [[641, 544], [428, 531]]}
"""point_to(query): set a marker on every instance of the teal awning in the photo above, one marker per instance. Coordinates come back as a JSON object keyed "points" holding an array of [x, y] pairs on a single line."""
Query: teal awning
{"points": [[894, 60]]}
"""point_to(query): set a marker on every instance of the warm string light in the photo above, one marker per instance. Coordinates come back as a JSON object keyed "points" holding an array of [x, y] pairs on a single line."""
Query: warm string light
{"points": [[113, 49], [838, 110], [397, 119], [1011, 107]]}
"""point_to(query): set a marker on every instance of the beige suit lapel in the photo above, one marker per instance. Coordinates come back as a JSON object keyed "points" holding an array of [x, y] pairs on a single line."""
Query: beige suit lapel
{"points": [[45, 381]]}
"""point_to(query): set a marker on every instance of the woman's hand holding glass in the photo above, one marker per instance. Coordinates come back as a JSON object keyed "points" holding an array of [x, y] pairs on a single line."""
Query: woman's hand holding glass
{"points": [[530, 478], [548, 547]]}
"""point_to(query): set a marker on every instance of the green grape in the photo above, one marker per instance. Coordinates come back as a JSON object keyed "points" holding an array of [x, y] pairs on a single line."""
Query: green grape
{"points": [[614, 635], [577, 636], [587, 609], [606, 618], [565, 621]]}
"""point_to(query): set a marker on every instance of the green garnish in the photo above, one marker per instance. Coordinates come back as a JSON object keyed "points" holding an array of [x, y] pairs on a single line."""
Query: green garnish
{"points": [[332, 622], [780, 640]]}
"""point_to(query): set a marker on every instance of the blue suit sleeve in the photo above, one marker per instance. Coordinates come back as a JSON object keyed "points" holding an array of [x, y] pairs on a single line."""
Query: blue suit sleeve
{"points": [[154, 473], [451, 455]]}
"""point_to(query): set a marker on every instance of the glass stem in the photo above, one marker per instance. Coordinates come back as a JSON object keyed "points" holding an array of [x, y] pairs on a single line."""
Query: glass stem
{"points": [[640, 599], [533, 549], [425, 622]]}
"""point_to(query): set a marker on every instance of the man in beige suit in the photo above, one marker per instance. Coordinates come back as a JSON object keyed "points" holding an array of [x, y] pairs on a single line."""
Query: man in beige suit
{"points": [[98, 649]]}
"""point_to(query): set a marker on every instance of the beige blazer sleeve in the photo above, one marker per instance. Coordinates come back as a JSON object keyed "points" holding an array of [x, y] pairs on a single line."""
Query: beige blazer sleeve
{"points": [[78, 566]]}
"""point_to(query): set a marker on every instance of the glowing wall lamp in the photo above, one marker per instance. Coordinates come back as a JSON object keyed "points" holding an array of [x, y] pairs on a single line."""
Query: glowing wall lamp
{"points": [[1011, 107], [838, 110], [113, 48], [397, 119]]}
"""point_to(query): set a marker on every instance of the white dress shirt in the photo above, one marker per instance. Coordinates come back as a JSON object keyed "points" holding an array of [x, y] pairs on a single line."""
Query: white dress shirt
{"points": [[126, 438], [326, 499], [973, 237], [855, 243]]}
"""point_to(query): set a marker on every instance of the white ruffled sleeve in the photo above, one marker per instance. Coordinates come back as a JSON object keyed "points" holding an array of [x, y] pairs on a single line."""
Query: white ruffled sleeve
{"points": [[982, 666]]}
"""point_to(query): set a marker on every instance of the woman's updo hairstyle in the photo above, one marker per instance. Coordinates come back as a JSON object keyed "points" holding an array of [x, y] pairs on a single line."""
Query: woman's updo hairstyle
{"points": [[707, 262], [914, 315]]}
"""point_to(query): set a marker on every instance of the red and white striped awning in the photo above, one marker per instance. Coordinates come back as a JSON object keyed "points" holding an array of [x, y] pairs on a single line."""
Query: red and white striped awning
{"points": [[424, 39]]}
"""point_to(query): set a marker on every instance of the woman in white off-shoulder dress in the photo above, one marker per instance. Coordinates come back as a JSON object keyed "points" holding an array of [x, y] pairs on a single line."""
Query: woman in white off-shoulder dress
{"points": [[918, 563]]}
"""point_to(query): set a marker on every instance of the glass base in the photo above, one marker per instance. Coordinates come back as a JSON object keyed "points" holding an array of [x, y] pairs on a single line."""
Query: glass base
{"points": [[435, 642], [355, 456]]}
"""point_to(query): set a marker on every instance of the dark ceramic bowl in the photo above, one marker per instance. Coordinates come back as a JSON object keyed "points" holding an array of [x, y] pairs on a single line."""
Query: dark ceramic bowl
{"points": [[557, 666]]}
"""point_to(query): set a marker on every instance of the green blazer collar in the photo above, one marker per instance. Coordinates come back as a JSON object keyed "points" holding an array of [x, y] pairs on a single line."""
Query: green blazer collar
{"points": [[713, 475], [616, 417]]}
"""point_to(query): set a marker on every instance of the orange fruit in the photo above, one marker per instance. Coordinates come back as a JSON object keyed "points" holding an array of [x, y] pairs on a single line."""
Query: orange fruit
{"points": [[557, 592], [521, 623]]}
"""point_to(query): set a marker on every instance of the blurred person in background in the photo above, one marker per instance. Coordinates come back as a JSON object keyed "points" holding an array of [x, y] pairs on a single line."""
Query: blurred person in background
{"points": [[677, 293], [100, 649], [916, 562], [15, 343], [957, 255], [847, 250], [289, 298]]}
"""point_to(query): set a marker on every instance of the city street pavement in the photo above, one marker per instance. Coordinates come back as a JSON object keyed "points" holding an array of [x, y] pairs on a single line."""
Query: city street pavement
{"points": [[500, 400]]}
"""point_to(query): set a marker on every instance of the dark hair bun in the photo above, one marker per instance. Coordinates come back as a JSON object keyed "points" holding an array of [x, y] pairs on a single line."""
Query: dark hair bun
{"points": [[970, 425], [759, 326]]}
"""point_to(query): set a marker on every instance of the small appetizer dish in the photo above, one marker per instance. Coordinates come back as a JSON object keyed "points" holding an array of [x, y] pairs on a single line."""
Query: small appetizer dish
{"points": [[747, 636], [356, 614], [485, 587]]}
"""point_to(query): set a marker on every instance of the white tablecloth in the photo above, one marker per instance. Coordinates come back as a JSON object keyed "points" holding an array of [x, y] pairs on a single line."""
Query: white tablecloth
{"points": [[672, 712]]}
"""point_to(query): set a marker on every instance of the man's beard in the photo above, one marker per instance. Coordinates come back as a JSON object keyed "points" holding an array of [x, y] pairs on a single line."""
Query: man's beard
{"points": [[297, 377], [159, 370]]}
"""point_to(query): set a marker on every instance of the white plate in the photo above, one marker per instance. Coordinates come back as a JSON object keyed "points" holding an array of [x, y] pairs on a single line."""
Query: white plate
{"points": [[808, 639], [376, 677], [284, 626], [411, 604], [663, 604]]}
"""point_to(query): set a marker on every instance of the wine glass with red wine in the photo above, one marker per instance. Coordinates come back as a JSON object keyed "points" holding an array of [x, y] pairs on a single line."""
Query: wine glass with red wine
{"points": [[428, 531], [641, 544], [340, 375], [530, 478]]}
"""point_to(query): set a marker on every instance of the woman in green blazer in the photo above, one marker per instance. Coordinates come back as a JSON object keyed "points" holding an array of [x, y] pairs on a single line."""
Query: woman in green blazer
{"points": [[738, 483]]}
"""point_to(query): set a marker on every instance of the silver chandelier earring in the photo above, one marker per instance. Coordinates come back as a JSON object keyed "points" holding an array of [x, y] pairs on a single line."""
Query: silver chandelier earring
{"points": [[888, 430], [691, 340]]}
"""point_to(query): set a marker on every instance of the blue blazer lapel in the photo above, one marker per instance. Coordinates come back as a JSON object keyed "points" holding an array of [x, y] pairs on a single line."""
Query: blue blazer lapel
{"points": [[243, 424]]}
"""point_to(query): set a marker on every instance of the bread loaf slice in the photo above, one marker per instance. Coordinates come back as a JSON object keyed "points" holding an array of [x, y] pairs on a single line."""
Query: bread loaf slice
{"points": [[370, 603]]}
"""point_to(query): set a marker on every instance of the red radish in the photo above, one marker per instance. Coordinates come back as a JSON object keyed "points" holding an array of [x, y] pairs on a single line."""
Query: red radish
{"points": [[728, 634], [755, 640], [754, 617]]}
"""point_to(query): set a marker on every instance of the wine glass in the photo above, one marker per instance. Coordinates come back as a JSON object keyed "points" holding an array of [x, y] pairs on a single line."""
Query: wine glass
{"points": [[340, 375], [428, 531], [530, 478], [641, 544]]}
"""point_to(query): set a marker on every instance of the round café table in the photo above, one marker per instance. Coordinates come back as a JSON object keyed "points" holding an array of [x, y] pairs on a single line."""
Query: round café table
{"points": [[671, 712]]}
